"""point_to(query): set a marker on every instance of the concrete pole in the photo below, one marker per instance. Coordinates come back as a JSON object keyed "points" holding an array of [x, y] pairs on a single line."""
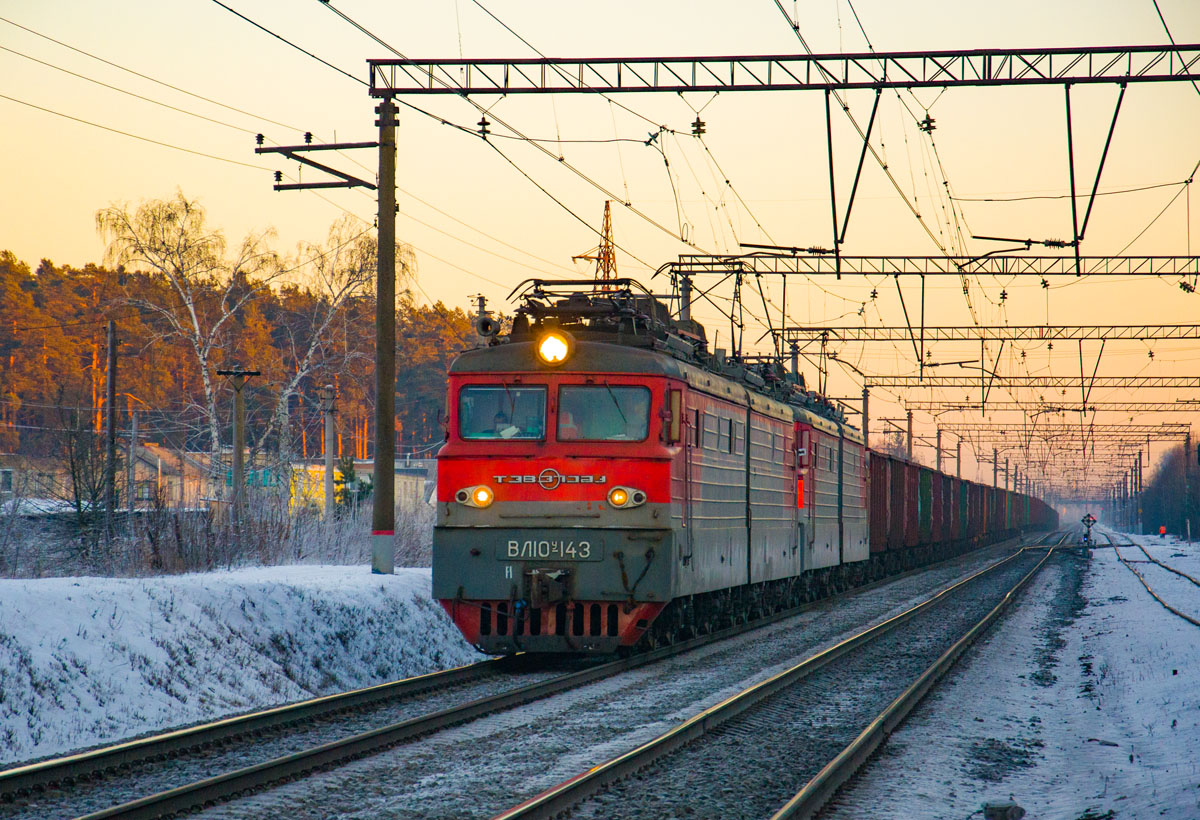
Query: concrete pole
{"points": [[110, 435], [328, 396], [239, 449], [910, 437], [866, 417], [1140, 528], [685, 314], [958, 458], [995, 467], [939, 449], [383, 510], [1187, 495], [1006, 484], [131, 477]]}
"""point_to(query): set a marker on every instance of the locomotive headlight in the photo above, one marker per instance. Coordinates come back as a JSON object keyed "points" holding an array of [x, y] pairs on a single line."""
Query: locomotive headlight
{"points": [[555, 347], [624, 498], [481, 496]]}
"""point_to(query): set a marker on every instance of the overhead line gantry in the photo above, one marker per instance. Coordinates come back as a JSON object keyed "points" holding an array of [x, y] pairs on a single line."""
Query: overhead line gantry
{"points": [[818, 261], [1032, 408], [787, 72], [1057, 382], [1004, 333]]}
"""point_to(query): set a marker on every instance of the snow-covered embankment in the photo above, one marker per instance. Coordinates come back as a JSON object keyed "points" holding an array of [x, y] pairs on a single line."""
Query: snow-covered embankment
{"points": [[92, 660]]}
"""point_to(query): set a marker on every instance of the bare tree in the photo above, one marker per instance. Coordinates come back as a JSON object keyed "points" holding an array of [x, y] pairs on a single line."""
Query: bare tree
{"points": [[338, 271], [205, 288]]}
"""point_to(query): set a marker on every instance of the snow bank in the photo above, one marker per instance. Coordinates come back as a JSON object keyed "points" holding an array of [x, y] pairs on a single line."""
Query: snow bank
{"points": [[1081, 703], [85, 661]]}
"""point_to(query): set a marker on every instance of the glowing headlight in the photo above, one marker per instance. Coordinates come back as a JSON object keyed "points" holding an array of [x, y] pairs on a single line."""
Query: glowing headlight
{"points": [[555, 347], [625, 497], [481, 496]]}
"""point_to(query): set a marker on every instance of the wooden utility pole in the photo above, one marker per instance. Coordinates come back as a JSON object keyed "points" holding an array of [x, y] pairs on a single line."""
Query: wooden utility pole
{"points": [[238, 495], [110, 436], [383, 512], [328, 399]]}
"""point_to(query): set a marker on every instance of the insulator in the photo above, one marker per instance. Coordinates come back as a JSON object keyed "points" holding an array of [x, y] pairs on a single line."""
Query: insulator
{"points": [[308, 137], [279, 176], [258, 139]]}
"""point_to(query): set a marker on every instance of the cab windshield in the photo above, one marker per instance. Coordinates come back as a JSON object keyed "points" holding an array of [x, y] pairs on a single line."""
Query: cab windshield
{"points": [[502, 412], [603, 413]]}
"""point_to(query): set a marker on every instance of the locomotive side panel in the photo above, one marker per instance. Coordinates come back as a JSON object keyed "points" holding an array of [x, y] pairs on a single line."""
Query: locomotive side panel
{"points": [[717, 489], [774, 548], [824, 550], [856, 528]]}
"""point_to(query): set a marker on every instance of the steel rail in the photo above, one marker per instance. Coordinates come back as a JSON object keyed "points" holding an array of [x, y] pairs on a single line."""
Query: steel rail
{"points": [[560, 798], [32, 776], [809, 800], [1153, 594], [1167, 567], [221, 787]]}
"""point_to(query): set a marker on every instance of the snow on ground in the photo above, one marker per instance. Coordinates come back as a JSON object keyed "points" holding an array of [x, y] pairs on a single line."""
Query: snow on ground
{"points": [[1082, 704], [85, 661]]}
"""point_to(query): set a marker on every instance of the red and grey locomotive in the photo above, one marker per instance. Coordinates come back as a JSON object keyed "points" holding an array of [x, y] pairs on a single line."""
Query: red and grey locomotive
{"points": [[607, 480]]}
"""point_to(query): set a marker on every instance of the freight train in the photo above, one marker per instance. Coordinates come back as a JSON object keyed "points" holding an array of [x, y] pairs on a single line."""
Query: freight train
{"points": [[608, 482]]}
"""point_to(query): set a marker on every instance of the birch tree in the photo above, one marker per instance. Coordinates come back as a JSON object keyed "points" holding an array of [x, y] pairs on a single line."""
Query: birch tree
{"points": [[205, 285]]}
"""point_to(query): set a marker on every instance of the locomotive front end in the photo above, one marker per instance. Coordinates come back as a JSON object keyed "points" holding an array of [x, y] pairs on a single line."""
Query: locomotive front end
{"points": [[554, 520]]}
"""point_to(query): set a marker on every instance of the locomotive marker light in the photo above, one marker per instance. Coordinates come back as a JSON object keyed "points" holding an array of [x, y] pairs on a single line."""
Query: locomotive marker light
{"points": [[555, 347], [481, 497], [626, 497]]}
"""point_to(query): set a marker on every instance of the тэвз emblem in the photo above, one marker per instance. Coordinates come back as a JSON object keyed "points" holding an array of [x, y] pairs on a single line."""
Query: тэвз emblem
{"points": [[550, 479]]}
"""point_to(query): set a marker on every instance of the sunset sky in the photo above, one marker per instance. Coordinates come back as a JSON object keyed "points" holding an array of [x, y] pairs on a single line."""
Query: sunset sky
{"points": [[479, 226]]}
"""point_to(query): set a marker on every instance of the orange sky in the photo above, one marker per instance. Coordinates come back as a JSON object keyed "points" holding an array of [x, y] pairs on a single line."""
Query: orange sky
{"points": [[478, 226]]}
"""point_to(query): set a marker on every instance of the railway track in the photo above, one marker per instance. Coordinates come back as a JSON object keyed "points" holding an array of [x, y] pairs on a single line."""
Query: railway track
{"points": [[804, 724], [211, 762], [1150, 559]]}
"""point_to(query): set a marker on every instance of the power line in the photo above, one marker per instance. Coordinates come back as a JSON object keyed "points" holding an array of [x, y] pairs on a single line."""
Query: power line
{"points": [[130, 93], [1031, 197], [200, 116], [151, 79], [143, 312], [281, 38], [135, 136], [559, 159]]}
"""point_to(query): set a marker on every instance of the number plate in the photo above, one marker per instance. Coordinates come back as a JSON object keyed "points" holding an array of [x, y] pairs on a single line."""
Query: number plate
{"points": [[550, 549]]}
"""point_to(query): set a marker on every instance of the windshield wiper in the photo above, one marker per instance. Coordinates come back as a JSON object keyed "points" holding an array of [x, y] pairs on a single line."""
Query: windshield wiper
{"points": [[613, 396]]}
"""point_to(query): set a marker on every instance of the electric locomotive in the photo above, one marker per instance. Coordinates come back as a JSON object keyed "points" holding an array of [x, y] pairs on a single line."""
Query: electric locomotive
{"points": [[606, 479]]}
